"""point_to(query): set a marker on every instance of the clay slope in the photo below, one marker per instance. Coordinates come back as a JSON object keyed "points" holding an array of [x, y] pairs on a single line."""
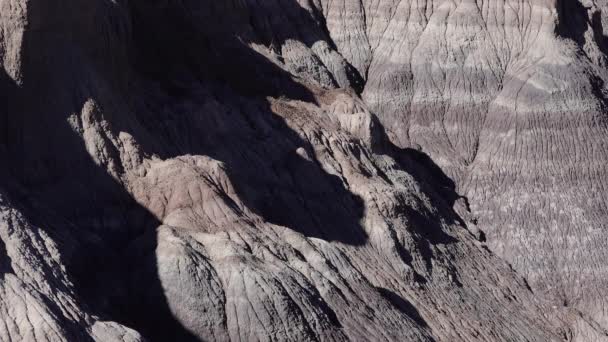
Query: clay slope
{"points": [[508, 98], [243, 170]]}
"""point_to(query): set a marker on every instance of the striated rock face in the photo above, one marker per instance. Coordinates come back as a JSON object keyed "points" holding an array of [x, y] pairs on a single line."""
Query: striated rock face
{"points": [[294, 170], [508, 98]]}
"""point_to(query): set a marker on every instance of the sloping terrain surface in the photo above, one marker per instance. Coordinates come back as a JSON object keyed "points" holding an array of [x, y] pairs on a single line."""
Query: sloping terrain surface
{"points": [[285, 170]]}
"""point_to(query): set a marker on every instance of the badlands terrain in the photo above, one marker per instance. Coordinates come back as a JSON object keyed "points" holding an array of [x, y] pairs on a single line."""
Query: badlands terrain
{"points": [[303, 170]]}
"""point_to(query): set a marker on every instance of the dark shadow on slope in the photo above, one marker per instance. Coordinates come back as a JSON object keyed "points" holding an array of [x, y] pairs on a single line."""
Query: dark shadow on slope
{"points": [[403, 305], [53, 180], [211, 46], [92, 216], [427, 226], [5, 261], [50, 194], [204, 39], [7, 89], [259, 150], [434, 182], [196, 54], [181, 45], [574, 21]]}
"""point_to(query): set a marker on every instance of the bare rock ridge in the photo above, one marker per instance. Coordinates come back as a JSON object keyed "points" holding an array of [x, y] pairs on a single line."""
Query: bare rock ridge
{"points": [[295, 170]]}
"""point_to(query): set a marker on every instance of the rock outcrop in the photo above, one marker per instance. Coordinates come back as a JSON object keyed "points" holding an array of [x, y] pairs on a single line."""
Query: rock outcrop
{"points": [[295, 170]]}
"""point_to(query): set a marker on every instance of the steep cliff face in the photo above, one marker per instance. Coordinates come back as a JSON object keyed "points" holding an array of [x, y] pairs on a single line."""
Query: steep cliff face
{"points": [[292, 170]]}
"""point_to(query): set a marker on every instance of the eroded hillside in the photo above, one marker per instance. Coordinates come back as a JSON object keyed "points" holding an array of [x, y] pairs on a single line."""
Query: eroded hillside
{"points": [[302, 170]]}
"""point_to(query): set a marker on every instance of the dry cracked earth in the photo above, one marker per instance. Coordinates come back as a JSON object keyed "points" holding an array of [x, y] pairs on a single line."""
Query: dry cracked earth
{"points": [[303, 170]]}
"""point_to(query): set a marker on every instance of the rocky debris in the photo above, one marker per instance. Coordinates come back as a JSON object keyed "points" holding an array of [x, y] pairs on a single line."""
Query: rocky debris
{"points": [[291, 170]]}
